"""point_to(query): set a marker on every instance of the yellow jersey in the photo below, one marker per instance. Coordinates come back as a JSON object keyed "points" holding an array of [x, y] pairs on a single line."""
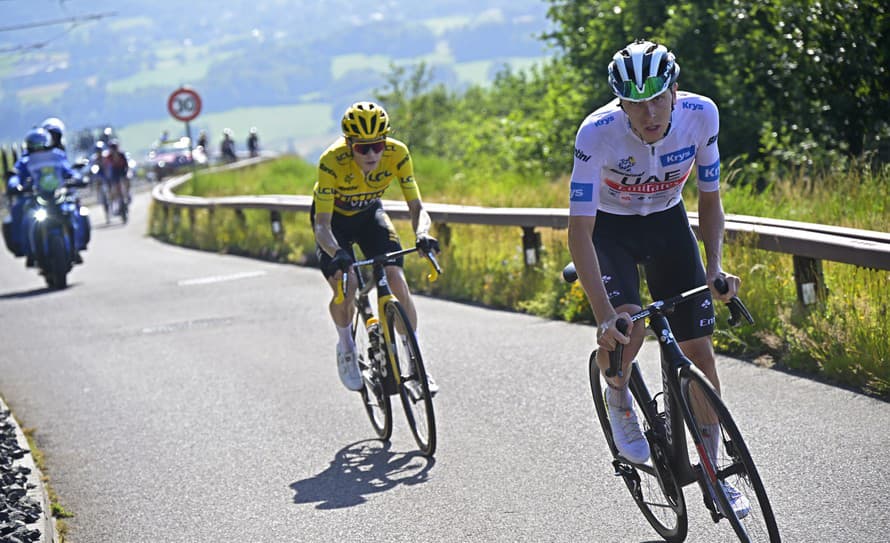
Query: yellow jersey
{"points": [[343, 188]]}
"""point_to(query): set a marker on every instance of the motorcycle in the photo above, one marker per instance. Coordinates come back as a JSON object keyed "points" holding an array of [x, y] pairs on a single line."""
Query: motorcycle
{"points": [[56, 227]]}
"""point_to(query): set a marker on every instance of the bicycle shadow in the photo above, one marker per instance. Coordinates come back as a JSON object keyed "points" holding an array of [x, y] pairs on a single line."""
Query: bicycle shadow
{"points": [[358, 470]]}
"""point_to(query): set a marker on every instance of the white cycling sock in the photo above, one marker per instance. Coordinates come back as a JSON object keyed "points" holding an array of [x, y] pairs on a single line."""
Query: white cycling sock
{"points": [[619, 397], [710, 434], [346, 342]]}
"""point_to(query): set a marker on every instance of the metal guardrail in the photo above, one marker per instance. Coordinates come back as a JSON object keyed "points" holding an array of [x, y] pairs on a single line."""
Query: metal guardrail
{"points": [[808, 243]]}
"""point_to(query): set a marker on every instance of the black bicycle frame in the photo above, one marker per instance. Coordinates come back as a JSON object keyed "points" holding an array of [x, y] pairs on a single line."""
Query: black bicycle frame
{"points": [[676, 415]]}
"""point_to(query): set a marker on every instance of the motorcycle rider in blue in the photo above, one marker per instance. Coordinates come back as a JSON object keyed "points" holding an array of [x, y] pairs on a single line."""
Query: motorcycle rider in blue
{"points": [[41, 160]]}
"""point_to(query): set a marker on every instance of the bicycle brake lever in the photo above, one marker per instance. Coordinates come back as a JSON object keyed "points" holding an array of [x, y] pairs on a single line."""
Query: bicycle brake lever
{"points": [[737, 311], [616, 355], [435, 269], [341, 291]]}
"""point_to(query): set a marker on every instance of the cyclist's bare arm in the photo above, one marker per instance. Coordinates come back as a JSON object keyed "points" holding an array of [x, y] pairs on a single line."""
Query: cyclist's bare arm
{"points": [[324, 235], [711, 221], [420, 219], [588, 269]]}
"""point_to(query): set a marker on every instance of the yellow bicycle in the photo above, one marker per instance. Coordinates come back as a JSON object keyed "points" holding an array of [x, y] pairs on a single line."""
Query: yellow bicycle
{"points": [[388, 355]]}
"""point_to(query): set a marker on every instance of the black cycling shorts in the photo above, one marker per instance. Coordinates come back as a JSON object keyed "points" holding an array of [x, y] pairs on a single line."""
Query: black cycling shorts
{"points": [[665, 246], [371, 229]]}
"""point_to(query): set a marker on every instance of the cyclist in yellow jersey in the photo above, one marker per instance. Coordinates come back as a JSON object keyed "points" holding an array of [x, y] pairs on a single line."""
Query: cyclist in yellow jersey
{"points": [[353, 174]]}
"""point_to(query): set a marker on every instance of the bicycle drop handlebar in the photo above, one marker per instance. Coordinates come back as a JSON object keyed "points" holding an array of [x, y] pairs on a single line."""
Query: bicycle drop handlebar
{"points": [[379, 260], [737, 312]]}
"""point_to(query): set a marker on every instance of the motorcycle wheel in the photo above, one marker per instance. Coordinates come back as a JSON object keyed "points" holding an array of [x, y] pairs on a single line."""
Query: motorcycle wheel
{"points": [[57, 274]]}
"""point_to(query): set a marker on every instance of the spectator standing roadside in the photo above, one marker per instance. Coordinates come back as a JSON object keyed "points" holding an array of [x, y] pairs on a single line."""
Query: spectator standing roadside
{"points": [[253, 143]]}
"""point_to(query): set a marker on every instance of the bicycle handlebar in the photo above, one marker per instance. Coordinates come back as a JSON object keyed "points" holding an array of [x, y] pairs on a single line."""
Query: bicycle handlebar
{"points": [[432, 276], [737, 312]]}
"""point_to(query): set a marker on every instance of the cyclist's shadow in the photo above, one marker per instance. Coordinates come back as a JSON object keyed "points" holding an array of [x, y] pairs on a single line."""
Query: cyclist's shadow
{"points": [[362, 468]]}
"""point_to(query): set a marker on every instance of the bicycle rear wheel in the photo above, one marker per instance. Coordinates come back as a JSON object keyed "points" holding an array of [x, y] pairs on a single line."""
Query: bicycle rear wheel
{"points": [[653, 485], [374, 397], [414, 389], [733, 465]]}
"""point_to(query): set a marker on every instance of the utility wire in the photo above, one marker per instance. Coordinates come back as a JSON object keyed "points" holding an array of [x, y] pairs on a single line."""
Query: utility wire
{"points": [[91, 17]]}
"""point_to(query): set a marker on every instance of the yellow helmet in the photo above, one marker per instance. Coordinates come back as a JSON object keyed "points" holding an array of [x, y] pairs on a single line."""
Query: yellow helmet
{"points": [[365, 121]]}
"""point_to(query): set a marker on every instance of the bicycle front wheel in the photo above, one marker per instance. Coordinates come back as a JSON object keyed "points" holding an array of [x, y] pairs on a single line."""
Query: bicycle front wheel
{"points": [[729, 466], [413, 389], [374, 397], [653, 485]]}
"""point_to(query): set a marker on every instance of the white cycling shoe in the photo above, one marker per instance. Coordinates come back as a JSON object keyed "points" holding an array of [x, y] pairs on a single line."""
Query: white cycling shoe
{"points": [[347, 365], [739, 503], [626, 432]]}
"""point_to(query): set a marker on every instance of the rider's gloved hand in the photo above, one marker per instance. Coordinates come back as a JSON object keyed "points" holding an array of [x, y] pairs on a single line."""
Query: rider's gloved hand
{"points": [[427, 243], [341, 261]]}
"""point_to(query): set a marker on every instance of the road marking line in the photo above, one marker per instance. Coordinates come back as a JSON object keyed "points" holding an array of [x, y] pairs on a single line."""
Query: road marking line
{"points": [[219, 278]]}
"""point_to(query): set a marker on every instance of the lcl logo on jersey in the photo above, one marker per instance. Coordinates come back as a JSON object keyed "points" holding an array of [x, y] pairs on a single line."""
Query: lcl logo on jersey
{"points": [[379, 177]]}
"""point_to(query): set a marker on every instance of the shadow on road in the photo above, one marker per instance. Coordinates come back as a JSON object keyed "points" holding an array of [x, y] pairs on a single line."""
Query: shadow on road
{"points": [[32, 293], [362, 468]]}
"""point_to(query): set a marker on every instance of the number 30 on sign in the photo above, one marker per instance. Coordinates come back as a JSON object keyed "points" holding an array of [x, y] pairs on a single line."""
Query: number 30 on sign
{"points": [[184, 104]]}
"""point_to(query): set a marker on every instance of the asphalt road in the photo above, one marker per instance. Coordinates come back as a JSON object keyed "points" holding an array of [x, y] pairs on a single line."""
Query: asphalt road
{"points": [[184, 396]]}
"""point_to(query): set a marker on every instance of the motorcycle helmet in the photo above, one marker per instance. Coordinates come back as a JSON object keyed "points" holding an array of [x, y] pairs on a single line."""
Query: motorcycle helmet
{"points": [[37, 139], [642, 70], [55, 126], [365, 121]]}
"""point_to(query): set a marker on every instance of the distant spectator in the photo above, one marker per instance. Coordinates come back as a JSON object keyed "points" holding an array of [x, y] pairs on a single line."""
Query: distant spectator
{"points": [[227, 147], [253, 143], [202, 140]]}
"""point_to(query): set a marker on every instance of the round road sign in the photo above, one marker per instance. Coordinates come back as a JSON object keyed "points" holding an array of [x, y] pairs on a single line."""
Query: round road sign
{"points": [[184, 104]]}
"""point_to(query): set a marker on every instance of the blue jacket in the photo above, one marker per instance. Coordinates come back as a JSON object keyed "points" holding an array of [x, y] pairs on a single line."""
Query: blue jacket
{"points": [[47, 168]]}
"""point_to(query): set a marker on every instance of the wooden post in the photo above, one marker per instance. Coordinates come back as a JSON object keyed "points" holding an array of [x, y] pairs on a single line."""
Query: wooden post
{"points": [[531, 245], [442, 233], [275, 222], [810, 280]]}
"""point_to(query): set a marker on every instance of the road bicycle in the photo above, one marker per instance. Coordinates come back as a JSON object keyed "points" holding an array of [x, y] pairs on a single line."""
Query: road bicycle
{"points": [[388, 354], [686, 398]]}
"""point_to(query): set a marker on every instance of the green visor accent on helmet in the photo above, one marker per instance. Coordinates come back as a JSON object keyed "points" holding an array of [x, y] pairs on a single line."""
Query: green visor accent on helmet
{"points": [[653, 86]]}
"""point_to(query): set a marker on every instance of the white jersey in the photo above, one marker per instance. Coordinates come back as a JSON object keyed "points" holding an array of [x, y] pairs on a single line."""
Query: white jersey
{"points": [[616, 172]]}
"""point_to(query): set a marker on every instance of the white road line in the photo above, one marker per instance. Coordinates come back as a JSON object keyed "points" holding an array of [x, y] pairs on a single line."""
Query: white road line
{"points": [[219, 278]]}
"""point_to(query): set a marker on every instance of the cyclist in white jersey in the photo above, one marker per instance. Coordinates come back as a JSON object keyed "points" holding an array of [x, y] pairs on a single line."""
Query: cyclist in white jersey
{"points": [[632, 158]]}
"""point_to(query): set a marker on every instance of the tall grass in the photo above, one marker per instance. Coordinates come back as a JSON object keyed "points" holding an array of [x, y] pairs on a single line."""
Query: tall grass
{"points": [[845, 339]]}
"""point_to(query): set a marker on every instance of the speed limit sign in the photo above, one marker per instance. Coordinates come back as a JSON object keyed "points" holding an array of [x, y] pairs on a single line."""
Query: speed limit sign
{"points": [[184, 104]]}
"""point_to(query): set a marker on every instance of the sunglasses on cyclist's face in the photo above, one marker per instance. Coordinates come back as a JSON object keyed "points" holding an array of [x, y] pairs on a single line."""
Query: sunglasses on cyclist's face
{"points": [[365, 148]]}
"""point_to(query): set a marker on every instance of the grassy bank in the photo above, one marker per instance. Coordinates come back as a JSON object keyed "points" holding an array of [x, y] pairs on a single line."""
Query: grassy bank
{"points": [[845, 340]]}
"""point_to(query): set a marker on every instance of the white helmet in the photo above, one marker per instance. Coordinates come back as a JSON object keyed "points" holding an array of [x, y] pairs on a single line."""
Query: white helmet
{"points": [[642, 70], [54, 125]]}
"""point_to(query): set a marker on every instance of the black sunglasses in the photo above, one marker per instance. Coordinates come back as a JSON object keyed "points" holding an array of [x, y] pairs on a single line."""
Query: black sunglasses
{"points": [[365, 148]]}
